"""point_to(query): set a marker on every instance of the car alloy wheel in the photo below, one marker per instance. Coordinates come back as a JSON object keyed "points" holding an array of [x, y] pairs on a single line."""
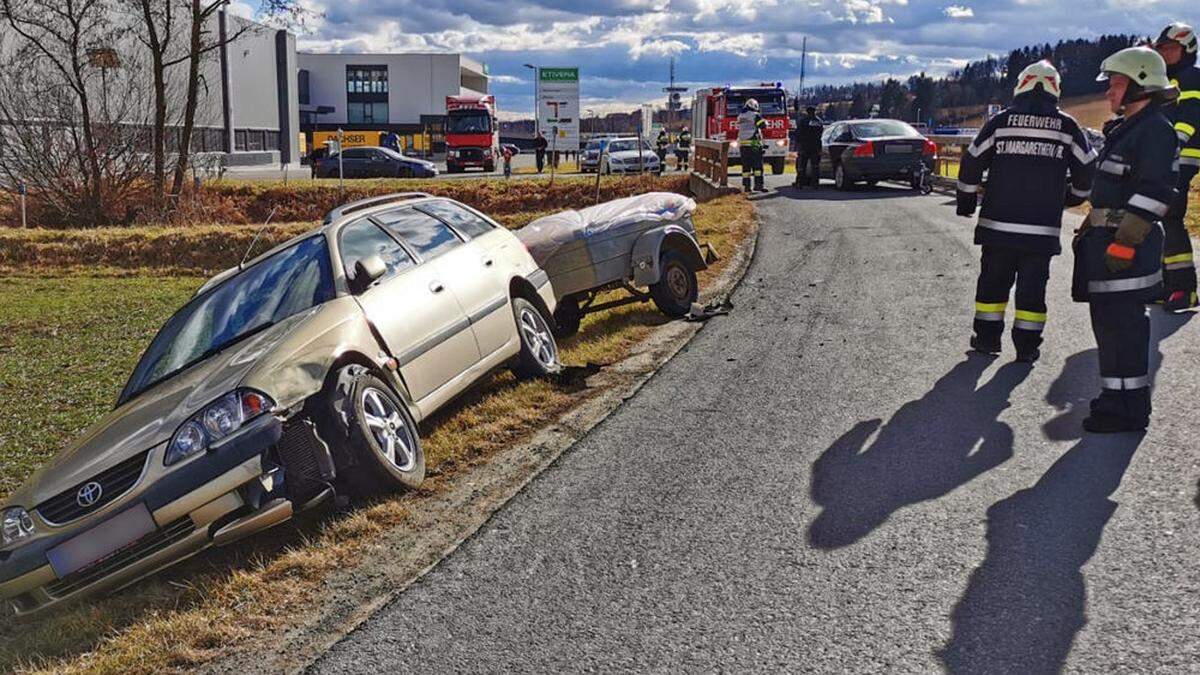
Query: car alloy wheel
{"points": [[535, 333], [389, 428]]}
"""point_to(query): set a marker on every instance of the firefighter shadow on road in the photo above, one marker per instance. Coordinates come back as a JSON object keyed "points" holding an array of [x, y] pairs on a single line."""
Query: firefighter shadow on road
{"points": [[828, 193], [1026, 602], [928, 448]]}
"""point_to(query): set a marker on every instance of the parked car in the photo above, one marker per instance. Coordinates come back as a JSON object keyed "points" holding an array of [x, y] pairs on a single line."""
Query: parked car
{"points": [[641, 242], [858, 151], [282, 382], [589, 159], [622, 156], [373, 162]]}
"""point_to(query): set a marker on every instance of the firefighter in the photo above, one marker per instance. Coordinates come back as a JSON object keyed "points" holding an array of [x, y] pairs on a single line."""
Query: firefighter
{"points": [[1118, 251], [750, 127], [1177, 46], [808, 148], [1027, 150], [660, 148], [683, 148]]}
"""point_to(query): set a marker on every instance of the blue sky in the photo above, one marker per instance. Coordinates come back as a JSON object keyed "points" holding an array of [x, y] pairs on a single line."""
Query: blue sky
{"points": [[623, 46]]}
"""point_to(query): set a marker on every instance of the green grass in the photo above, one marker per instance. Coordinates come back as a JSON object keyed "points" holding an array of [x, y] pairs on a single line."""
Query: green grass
{"points": [[65, 349]]}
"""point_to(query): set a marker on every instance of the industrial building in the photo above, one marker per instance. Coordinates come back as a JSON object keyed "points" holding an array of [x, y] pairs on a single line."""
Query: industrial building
{"points": [[369, 94]]}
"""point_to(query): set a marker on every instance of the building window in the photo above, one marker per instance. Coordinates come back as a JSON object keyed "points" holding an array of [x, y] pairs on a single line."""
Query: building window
{"points": [[367, 112], [272, 140], [366, 80], [255, 140], [239, 140]]}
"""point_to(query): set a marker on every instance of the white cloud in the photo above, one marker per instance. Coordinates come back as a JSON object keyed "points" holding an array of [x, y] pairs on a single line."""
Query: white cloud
{"points": [[959, 12]]}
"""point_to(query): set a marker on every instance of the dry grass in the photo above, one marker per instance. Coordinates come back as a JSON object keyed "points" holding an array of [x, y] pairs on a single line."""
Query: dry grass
{"points": [[187, 617]]}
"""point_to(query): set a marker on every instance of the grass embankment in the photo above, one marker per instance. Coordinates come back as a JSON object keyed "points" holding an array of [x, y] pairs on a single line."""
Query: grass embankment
{"points": [[230, 202], [69, 342]]}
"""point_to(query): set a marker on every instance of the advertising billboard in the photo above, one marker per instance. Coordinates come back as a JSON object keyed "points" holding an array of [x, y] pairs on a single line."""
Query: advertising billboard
{"points": [[558, 107]]}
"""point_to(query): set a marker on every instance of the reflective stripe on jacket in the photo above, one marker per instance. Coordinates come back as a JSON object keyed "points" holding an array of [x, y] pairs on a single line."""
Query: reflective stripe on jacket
{"points": [[1184, 113], [1027, 151]]}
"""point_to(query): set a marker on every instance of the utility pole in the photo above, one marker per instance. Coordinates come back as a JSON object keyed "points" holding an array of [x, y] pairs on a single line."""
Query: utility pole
{"points": [[803, 63]]}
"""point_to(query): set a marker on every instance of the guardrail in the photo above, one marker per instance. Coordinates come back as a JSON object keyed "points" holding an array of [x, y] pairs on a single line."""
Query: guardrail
{"points": [[950, 150], [712, 161]]}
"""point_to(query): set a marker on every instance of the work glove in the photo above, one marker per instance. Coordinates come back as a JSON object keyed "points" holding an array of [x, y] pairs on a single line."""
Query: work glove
{"points": [[966, 204], [1132, 231]]}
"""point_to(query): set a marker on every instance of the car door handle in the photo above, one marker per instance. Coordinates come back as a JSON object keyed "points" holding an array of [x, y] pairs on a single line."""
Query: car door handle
{"points": [[436, 287]]}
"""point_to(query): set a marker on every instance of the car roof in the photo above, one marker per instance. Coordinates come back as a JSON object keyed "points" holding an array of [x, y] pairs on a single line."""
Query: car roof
{"points": [[333, 220]]}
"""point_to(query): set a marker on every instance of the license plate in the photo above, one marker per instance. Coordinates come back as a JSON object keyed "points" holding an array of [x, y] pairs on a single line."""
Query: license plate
{"points": [[897, 149], [101, 541]]}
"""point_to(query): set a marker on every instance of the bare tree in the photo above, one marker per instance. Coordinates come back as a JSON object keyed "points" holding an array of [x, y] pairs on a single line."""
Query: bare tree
{"points": [[72, 106]]}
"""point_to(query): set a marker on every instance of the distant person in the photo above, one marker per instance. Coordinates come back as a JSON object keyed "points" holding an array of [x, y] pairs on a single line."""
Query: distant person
{"points": [[1119, 251], [1027, 151], [683, 149], [1177, 46], [507, 154], [660, 148], [808, 148], [750, 125], [539, 151], [391, 141]]}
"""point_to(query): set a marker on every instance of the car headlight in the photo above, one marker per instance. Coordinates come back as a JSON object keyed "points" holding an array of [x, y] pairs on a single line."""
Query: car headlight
{"points": [[216, 421], [452, 153], [780, 142], [17, 525], [733, 144]]}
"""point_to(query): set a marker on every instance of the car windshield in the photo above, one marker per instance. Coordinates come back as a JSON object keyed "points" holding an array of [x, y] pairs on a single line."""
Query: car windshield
{"points": [[469, 123], [626, 145], [288, 282], [593, 145], [395, 155], [882, 128], [770, 101]]}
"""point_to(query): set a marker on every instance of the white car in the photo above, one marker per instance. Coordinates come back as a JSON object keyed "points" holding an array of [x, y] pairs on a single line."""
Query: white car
{"points": [[622, 156]]}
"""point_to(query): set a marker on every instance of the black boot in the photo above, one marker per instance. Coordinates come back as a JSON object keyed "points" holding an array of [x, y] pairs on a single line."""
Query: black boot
{"points": [[984, 347], [1028, 356]]}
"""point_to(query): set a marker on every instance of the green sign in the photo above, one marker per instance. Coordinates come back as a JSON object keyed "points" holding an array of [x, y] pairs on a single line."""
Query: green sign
{"points": [[558, 74]]}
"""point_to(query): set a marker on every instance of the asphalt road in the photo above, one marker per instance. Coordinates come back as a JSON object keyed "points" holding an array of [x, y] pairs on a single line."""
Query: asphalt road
{"points": [[825, 481]]}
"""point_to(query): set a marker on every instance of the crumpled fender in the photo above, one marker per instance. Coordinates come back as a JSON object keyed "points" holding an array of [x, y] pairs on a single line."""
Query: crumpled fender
{"points": [[647, 251], [297, 368]]}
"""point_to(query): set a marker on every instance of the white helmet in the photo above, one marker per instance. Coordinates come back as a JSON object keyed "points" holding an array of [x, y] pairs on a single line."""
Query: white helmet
{"points": [[752, 104], [1040, 73], [1146, 70], [1181, 33]]}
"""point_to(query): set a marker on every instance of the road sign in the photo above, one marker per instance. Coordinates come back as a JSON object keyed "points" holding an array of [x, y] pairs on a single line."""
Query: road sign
{"points": [[558, 107]]}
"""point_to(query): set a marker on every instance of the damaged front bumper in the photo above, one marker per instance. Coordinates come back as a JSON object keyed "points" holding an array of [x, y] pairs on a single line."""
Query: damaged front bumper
{"points": [[229, 492]]}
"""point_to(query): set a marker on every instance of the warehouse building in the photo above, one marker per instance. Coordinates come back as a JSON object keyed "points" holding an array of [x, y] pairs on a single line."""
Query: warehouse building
{"points": [[370, 94]]}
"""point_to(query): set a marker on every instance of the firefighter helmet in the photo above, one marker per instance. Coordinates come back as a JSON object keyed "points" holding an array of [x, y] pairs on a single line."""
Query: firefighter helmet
{"points": [[1181, 33], [1041, 73], [1146, 70], [752, 104]]}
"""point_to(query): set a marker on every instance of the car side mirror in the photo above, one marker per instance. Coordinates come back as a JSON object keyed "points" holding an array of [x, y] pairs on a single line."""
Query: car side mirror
{"points": [[367, 271]]}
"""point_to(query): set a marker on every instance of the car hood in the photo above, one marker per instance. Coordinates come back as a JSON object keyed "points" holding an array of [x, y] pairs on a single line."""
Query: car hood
{"points": [[626, 155], [151, 418]]}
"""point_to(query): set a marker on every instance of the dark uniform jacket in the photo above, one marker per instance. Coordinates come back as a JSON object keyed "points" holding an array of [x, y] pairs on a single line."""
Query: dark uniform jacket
{"points": [[1026, 150], [685, 141], [1136, 172], [1185, 112], [808, 134]]}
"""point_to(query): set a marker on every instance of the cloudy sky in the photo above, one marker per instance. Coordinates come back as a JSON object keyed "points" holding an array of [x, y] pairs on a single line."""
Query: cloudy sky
{"points": [[623, 46]]}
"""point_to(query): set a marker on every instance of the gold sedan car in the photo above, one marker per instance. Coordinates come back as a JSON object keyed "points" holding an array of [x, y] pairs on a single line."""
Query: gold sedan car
{"points": [[285, 381]]}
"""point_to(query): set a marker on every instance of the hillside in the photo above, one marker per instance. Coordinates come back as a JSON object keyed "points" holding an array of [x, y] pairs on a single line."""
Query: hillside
{"points": [[1090, 111]]}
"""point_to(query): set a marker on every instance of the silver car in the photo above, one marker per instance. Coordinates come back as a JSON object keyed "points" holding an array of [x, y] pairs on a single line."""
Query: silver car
{"points": [[299, 375], [622, 156]]}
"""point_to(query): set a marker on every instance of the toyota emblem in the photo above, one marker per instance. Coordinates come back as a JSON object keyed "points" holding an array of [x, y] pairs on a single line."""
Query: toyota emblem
{"points": [[89, 494]]}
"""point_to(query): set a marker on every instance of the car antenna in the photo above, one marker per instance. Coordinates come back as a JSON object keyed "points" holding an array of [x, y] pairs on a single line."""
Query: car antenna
{"points": [[256, 236]]}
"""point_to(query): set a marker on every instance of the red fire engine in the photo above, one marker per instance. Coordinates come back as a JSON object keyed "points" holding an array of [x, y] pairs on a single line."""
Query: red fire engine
{"points": [[715, 112], [472, 133]]}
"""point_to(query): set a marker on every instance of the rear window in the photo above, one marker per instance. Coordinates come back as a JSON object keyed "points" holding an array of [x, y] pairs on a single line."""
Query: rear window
{"points": [[427, 235], [880, 128], [459, 218]]}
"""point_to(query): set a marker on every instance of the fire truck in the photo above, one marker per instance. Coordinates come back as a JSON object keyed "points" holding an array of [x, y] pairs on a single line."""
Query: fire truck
{"points": [[472, 133], [715, 112]]}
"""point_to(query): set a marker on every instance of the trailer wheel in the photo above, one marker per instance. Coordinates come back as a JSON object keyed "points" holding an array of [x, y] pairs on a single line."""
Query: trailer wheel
{"points": [[567, 317], [677, 288]]}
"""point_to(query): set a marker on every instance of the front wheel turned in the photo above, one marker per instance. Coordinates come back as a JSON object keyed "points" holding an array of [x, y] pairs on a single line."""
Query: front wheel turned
{"points": [[379, 449]]}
